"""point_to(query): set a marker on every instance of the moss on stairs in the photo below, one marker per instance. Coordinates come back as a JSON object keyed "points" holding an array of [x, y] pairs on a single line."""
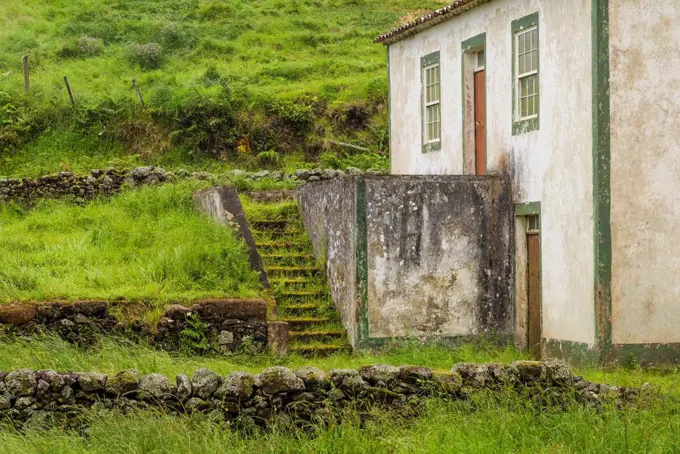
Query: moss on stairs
{"points": [[298, 280]]}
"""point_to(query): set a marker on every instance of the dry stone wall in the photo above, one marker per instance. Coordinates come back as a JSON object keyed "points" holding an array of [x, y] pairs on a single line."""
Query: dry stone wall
{"points": [[220, 325], [280, 395], [105, 182]]}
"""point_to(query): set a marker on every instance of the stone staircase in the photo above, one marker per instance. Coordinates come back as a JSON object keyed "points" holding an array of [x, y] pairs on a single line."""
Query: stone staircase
{"points": [[297, 279]]}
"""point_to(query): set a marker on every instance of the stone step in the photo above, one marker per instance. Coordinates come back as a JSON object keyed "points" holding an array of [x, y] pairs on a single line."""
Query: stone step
{"points": [[292, 270], [300, 323], [303, 309], [316, 334], [290, 259], [285, 245], [319, 350]]}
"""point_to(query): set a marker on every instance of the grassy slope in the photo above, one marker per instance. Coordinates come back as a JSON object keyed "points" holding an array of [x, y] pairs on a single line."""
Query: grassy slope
{"points": [[505, 424], [146, 244], [271, 50]]}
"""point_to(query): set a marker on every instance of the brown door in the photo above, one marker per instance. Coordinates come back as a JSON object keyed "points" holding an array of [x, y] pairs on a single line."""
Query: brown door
{"points": [[534, 256], [480, 134]]}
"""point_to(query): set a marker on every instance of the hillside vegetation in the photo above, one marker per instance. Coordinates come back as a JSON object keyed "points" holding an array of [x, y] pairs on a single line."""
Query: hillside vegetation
{"points": [[143, 245], [223, 81]]}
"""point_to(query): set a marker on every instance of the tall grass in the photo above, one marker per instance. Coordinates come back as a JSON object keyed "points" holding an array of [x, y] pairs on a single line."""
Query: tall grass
{"points": [[144, 245], [487, 423]]}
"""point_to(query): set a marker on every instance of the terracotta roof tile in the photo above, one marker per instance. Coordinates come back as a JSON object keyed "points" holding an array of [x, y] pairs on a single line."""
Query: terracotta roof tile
{"points": [[428, 20]]}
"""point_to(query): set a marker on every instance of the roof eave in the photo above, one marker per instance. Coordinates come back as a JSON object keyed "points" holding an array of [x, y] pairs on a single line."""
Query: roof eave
{"points": [[429, 20]]}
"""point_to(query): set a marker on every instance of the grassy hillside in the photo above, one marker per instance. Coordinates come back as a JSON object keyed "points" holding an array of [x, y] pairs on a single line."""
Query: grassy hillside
{"points": [[147, 244], [222, 80]]}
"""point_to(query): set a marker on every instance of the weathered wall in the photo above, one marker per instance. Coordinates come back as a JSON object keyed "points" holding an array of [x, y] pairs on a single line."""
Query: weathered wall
{"points": [[439, 256], [329, 212], [552, 165], [645, 170]]}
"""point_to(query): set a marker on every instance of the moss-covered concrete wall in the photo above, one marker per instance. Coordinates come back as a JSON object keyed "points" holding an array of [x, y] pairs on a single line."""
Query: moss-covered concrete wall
{"points": [[415, 256]]}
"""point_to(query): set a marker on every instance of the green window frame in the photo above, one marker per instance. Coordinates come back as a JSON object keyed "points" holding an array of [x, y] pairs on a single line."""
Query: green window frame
{"points": [[431, 110], [525, 74]]}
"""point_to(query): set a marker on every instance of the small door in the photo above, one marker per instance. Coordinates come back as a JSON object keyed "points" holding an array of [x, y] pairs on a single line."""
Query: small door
{"points": [[534, 275], [480, 131]]}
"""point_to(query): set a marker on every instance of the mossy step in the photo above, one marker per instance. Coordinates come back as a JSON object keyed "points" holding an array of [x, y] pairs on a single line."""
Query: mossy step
{"points": [[304, 309], [301, 322], [319, 350], [292, 270], [317, 333], [299, 293], [281, 244]]}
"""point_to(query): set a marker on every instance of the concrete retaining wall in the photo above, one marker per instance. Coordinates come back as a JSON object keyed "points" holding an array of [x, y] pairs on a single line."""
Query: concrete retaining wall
{"points": [[415, 256]]}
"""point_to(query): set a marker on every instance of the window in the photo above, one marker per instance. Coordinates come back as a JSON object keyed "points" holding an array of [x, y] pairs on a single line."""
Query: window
{"points": [[432, 114], [527, 73]]}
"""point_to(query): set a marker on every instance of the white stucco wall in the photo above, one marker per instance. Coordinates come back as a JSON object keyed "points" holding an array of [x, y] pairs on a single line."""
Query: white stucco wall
{"points": [[552, 165], [645, 170]]}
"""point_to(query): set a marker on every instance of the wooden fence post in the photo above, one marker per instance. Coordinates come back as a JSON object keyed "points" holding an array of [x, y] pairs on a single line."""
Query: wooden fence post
{"points": [[70, 93], [139, 93], [27, 76]]}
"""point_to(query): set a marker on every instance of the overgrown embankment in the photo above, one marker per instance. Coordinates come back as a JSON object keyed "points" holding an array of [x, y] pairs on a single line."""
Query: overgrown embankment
{"points": [[255, 82], [147, 244]]}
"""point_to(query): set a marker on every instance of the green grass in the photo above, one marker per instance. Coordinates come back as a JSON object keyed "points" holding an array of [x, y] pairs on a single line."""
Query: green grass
{"points": [[286, 67], [486, 424], [147, 245]]}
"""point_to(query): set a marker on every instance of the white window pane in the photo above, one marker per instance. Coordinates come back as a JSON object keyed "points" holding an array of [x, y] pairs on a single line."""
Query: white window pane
{"points": [[534, 60], [523, 108], [436, 74], [520, 44], [534, 38]]}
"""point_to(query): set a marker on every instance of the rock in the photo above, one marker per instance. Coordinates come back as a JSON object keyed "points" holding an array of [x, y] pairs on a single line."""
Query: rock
{"points": [[54, 379], [205, 383], [183, 387], [314, 178], [302, 174], [16, 314], [236, 386], [279, 379], [81, 319], [414, 375], [529, 371], [66, 323], [176, 312], [379, 373], [260, 175], [23, 403], [5, 402], [474, 375], [558, 372], [92, 381], [124, 383], [195, 404], [21, 383], [449, 383], [372, 172], [313, 378], [154, 387], [348, 379], [353, 171], [141, 172], [225, 338]]}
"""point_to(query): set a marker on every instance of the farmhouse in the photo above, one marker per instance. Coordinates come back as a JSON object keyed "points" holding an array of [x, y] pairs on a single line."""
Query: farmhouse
{"points": [[577, 103]]}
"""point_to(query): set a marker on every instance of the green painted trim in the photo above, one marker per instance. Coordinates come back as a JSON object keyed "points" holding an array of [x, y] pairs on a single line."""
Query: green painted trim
{"points": [[425, 61], [389, 108], [602, 243], [362, 259], [429, 59], [478, 41], [527, 209], [644, 354], [532, 209], [532, 124], [575, 353]]}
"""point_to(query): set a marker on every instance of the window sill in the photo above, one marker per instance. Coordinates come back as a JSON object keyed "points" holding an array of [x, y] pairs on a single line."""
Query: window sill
{"points": [[432, 146], [524, 126]]}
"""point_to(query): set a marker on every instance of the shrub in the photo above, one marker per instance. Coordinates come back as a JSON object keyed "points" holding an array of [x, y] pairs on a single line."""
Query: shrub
{"points": [[269, 158], [297, 115], [330, 161], [147, 56], [83, 47], [174, 36]]}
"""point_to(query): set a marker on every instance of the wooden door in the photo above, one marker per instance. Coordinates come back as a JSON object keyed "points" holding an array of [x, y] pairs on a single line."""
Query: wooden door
{"points": [[480, 127], [534, 268]]}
